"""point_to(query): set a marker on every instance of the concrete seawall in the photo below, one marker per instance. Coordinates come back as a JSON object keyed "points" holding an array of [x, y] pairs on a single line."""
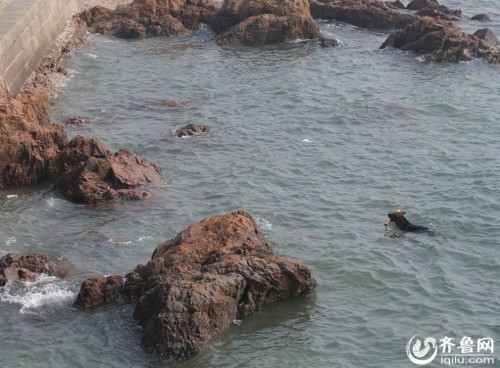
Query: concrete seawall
{"points": [[28, 29]]}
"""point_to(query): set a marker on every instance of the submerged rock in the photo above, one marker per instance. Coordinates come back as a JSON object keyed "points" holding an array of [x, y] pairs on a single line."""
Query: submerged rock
{"points": [[361, 13], [481, 18], [27, 267], [29, 142], [440, 41], [145, 18], [196, 284], [91, 174], [78, 121], [191, 129], [264, 22]]}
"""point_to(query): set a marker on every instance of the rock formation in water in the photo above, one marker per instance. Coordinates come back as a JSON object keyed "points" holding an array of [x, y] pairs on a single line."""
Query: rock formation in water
{"points": [[439, 40], [431, 8], [481, 18], [27, 267], [29, 142], [264, 22], [91, 174], [145, 18], [361, 13], [198, 283], [33, 151], [191, 129]]}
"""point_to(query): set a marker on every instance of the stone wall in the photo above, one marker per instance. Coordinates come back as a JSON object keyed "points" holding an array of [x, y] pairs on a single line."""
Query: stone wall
{"points": [[28, 29]]}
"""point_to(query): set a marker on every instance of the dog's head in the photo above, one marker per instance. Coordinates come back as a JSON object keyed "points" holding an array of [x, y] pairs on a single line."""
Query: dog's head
{"points": [[394, 217]]}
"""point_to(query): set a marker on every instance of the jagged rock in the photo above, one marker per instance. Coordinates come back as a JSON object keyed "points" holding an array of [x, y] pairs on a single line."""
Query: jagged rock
{"points": [[487, 36], [98, 291], [191, 129], [197, 283], [361, 13], [396, 4], [78, 121], [29, 143], [440, 41], [431, 8], [143, 18], [27, 267], [264, 22], [481, 18], [92, 174]]}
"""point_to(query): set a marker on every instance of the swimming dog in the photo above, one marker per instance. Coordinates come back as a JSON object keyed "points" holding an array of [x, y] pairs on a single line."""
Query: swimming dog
{"points": [[403, 224]]}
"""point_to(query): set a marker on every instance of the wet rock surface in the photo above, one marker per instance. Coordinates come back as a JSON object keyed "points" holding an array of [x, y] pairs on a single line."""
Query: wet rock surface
{"points": [[441, 41], [361, 13], [24, 268], [191, 129], [91, 174], [98, 291], [487, 36], [431, 8], [264, 22], [196, 284], [29, 142], [481, 18], [145, 18]]}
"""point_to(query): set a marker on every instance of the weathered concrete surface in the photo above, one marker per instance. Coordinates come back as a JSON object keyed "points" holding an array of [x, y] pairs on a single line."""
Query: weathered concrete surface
{"points": [[28, 30]]}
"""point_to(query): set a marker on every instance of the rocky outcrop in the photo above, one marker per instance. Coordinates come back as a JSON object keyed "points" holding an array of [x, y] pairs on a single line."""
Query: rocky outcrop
{"points": [[264, 22], [440, 41], [191, 129], [25, 268], [91, 174], [33, 151], [481, 18], [487, 36], [396, 4], [97, 291], [431, 8], [29, 143], [361, 13], [145, 18], [196, 284]]}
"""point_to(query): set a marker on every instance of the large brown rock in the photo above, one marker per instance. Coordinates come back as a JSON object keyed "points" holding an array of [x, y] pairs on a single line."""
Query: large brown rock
{"points": [[143, 18], [440, 41], [487, 36], [29, 142], [27, 267], [191, 129], [91, 174], [264, 22], [361, 13], [197, 284]]}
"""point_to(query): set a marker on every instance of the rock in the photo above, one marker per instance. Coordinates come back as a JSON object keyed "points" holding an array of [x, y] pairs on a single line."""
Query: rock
{"points": [[91, 174], [196, 284], [29, 142], [431, 8], [191, 129], [361, 13], [440, 41], [25, 267], [145, 18], [265, 22], [98, 291], [481, 18], [78, 121], [396, 4], [487, 36], [167, 103]]}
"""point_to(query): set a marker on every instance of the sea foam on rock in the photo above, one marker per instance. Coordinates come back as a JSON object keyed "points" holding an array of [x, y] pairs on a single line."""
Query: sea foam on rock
{"points": [[26, 267], [198, 283]]}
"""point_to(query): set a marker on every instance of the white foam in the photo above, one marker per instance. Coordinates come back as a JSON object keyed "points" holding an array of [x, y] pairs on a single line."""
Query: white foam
{"points": [[11, 195], [38, 296], [263, 223], [10, 241], [306, 140], [144, 238]]}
